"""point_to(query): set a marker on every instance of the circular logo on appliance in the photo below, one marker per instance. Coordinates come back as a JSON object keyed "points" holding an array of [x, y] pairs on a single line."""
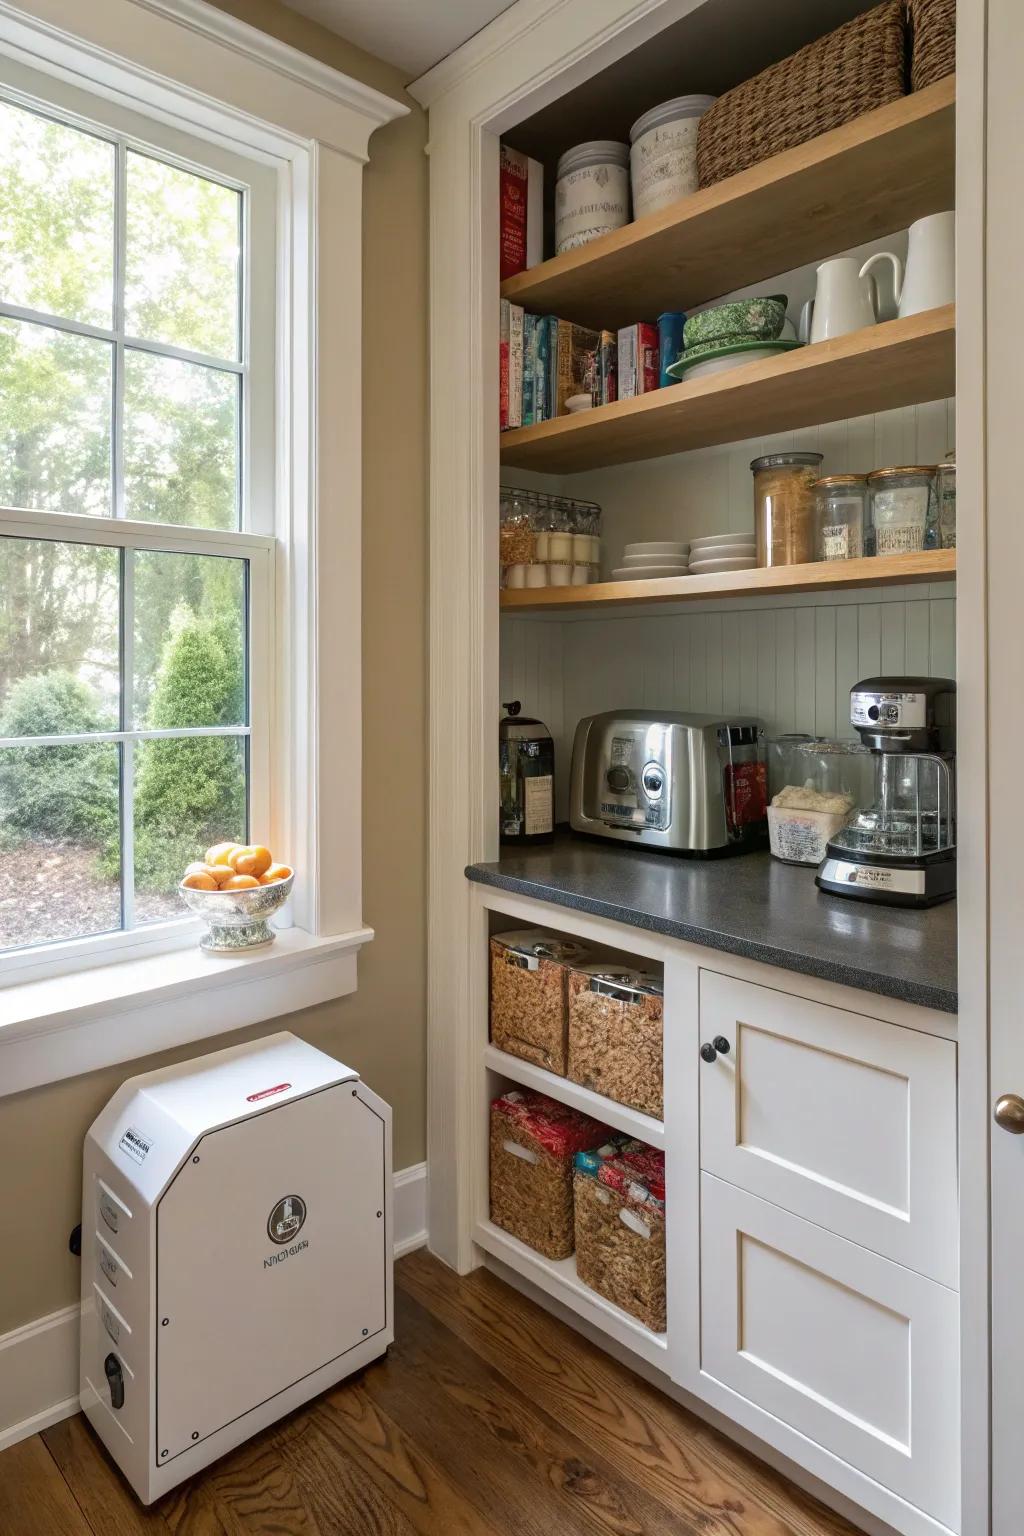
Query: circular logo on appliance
{"points": [[285, 1220]]}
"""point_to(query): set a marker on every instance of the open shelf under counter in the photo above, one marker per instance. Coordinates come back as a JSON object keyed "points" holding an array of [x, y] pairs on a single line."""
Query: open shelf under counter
{"points": [[899, 362], [819, 576], [871, 176], [558, 1279], [619, 1116]]}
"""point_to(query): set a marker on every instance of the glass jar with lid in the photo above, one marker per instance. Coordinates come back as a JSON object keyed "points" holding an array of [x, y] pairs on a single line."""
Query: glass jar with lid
{"points": [[517, 537], [841, 516], [784, 506], [945, 496], [900, 508]]}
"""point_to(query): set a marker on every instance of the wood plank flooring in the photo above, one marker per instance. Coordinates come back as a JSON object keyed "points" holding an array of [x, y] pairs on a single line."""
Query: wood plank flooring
{"points": [[487, 1418]]}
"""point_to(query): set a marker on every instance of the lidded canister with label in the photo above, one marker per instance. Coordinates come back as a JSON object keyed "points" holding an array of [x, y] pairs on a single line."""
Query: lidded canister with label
{"points": [[842, 516], [526, 758], [663, 153], [901, 508], [591, 193]]}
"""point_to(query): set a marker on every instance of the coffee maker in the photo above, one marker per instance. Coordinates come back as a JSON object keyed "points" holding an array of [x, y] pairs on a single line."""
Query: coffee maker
{"points": [[901, 851]]}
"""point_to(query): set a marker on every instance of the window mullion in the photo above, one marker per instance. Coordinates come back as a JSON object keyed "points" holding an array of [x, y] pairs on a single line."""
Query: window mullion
{"points": [[120, 261]]}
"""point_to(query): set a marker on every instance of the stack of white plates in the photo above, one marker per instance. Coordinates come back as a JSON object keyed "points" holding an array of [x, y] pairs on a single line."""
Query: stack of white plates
{"points": [[642, 562], [722, 552]]}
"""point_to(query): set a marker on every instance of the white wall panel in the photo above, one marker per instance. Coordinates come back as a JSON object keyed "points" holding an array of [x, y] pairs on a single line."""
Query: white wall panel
{"points": [[689, 495], [790, 662]]}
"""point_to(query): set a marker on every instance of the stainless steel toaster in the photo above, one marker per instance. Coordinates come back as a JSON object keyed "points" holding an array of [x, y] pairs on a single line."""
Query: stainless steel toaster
{"points": [[687, 782]]}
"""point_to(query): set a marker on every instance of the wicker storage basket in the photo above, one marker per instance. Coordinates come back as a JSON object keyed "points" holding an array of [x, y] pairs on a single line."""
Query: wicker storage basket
{"points": [[619, 1198], [932, 41], [615, 1034], [533, 1144], [860, 66], [529, 971]]}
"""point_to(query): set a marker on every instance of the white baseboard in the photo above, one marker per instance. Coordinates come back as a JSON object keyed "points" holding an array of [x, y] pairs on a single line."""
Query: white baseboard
{"points": [[410, 1209], [39, 1362], [38, 1375]]}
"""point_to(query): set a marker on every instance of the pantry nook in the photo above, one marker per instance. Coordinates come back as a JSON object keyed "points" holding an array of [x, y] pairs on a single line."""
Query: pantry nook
{"points": [[796, 1222]]}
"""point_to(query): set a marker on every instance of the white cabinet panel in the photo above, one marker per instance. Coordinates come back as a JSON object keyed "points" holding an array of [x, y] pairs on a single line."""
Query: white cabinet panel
{"points": [[845, 1120], [856, 1353]]}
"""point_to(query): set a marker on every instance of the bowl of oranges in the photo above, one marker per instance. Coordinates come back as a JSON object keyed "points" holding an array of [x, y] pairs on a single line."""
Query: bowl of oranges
{"points": [[235, 889]]}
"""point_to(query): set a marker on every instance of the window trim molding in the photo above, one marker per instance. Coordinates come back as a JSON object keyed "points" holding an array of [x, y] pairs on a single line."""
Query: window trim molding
{"points": [[313, 124]]}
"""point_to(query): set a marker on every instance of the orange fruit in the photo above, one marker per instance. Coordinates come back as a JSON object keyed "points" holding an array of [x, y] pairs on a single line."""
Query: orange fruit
{"points": [[219, 872], [218, 854], [250, 860], [199, 880], [274, 873], [197, 867], [240, 883]]}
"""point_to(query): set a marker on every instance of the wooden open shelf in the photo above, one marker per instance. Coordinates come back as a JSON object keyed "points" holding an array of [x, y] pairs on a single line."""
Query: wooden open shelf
{"points": [[619, 1116], [558, 1278], [866, 179], [821, 576], [900, 362]]}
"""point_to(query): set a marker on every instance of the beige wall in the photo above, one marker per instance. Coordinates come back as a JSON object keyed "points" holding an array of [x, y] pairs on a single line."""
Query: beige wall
{"points": [[381, 1029]]}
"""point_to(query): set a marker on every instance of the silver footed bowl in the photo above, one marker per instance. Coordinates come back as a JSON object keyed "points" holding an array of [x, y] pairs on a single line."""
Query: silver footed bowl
{"points": [[237, 920]]}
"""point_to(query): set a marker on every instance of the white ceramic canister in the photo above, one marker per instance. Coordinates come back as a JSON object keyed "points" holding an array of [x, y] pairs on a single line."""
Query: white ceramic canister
{"points": [[663, 157], [591, 193]]}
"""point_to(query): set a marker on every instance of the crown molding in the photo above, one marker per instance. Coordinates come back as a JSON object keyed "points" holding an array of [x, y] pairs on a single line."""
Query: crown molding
{"points": [[209, 22], [503, 32], [576, 32]]}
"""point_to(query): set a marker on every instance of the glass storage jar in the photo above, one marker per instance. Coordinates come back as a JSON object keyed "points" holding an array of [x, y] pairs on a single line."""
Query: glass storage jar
{"points": [[900, 508], [784, 507], [829, 781], [841, 516], [783, 764], [945, 496], [517, 537]]}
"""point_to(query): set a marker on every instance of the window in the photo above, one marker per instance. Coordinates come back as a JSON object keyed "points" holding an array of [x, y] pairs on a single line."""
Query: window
{"points": [[135, 566]]}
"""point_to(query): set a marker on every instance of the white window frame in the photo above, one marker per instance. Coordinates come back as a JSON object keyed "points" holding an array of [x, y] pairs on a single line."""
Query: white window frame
{"points": [[252, 541], [187, 65]]}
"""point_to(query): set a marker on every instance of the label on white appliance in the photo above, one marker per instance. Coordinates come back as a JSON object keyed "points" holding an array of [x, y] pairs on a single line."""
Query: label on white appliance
{"points": [[135, 1144], [539, 806], [108, 1264]]}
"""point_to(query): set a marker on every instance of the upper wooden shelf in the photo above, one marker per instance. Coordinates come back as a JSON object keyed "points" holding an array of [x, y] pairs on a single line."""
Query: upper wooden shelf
{"points": [[821, 576], [870, 177], [900, 362]]}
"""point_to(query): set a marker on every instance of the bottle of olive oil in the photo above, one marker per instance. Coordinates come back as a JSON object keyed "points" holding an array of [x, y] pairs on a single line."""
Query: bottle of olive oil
{"points": [[527, 774]]}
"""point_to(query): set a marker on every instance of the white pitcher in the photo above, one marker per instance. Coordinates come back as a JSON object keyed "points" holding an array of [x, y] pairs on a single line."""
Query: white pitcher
{"points": [[844, 300], [930, 278]]}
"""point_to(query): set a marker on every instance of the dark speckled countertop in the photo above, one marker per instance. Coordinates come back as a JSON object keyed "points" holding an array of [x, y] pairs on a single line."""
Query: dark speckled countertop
{"points": [[749, 905]]}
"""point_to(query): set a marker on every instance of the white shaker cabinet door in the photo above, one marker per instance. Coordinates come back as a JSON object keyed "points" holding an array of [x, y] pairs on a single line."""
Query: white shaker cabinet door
{"points": [[845, 1120], [852, 1351]]}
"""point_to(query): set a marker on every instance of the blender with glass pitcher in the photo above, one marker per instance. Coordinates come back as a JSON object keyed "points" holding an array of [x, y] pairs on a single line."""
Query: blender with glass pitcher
{"points": [[901, 852]]}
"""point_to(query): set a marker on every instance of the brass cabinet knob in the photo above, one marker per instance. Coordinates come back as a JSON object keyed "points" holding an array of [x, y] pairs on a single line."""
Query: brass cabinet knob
{"points": [[1009, 1113]]}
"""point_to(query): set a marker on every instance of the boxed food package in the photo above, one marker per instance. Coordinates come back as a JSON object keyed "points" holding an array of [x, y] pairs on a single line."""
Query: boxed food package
{"points": [[533, 1143], [619, 1204], [529, 972], [801, 819], [615, 1033]]}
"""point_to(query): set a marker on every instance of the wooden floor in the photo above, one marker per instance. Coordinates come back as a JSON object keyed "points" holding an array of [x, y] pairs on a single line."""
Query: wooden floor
{"points": [[486, 1417]]}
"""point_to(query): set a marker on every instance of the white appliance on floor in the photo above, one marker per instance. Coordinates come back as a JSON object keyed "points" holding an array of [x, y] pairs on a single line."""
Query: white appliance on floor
{"points": [[236, 1251]]}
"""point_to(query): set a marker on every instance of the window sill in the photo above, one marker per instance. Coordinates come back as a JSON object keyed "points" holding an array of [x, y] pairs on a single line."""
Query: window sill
{"points": [[65, 1025]]}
